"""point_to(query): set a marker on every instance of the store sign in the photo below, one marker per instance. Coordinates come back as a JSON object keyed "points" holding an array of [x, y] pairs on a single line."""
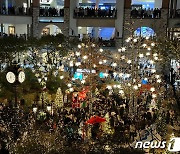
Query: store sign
{"points": [[172, 146], [85, 71]]}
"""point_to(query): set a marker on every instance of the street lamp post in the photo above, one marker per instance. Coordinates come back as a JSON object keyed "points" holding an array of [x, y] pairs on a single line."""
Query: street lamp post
{"points": [[15, 76]]}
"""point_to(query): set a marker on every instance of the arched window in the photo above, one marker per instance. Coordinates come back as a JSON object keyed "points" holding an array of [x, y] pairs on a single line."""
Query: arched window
{"points": [[51, 30], [144, 32]]}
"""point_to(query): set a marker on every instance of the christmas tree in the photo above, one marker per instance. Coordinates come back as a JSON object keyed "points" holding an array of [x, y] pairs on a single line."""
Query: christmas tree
{"points": [[59, 98]]}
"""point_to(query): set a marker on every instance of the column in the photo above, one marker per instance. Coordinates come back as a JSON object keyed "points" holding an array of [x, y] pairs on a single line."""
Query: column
{"points": [[97, 4], [28, 30], [96, 33], [2, 30], [73, 22], [165, 4], [119, 22], [35, 18], [127, 4], [6, 5]]}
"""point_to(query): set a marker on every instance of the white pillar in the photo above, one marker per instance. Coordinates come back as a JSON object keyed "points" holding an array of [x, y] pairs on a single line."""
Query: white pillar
{"points": [[178, 5], [96, 32], [73, 22], [97, 4], [6, 5], [120, 17], [158, 4]]}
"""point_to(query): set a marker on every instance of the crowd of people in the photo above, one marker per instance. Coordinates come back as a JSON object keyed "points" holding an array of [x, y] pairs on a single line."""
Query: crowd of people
{"points": [[51, 12], [146, 13], [94, 12], [71, 123], [15, 10]]}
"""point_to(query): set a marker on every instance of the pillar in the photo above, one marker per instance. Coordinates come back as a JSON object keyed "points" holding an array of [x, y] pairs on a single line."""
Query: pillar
{"points": [[6, 5], [119, 22], [97, 4], [66, 17], [35, 18], [127, 4], [2, 30], [96, 32], [165, 4], [73, 22]]}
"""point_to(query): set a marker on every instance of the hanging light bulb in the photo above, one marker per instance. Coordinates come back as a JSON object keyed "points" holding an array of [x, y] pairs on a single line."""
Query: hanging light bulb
{"points": [[152, 89], [93, 45], [149, 48], [69, 85], [139, 85], [104, 61], [78, 53], [100, 62], [114, 86], [159, 81], [157, 76], [83, 81], [121, 74], [119, 86], [85, 57], [106, 74], [135, 40], [146, 79], [109, 87], [151, 61], [153, 70], [79, 46], [141, 55], [71, 89], [101, 50], [148, 54], [135, 87], [114, 64], [154, 96], [119, 50], [129, 61], [153, 44], [123, 49], [121, 91], [156, 58], [155, 54], [123, 57], [144, 45]]}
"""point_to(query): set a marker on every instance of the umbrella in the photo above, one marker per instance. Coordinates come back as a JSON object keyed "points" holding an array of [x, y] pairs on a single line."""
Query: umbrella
{"points": [[95, 119]]}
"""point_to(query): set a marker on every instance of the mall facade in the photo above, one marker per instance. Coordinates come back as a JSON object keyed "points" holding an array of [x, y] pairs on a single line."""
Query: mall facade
{"points": [[111, 21]]}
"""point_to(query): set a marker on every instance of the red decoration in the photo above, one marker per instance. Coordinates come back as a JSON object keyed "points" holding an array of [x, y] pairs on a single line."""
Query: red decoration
{"points": [[83, 94], [95, 119]]}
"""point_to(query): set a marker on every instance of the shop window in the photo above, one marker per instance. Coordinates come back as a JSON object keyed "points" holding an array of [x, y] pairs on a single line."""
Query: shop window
{"points": [[11, 30]]}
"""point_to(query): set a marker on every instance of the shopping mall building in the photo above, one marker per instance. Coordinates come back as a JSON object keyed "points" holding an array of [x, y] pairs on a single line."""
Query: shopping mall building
{"points": [[105, 20]]}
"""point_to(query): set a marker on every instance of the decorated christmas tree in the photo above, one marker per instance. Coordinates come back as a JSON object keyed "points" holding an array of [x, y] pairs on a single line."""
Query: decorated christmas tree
{"points": [[59, 98]]}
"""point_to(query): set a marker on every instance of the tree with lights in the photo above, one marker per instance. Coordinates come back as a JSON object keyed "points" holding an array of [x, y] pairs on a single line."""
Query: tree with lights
{"points": [[89, 68], [59, 98]]}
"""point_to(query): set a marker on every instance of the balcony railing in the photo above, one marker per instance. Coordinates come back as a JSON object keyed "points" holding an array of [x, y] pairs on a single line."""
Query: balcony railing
{"points": [[15, 11], [94, 13], [51, 12], [146, 13]]}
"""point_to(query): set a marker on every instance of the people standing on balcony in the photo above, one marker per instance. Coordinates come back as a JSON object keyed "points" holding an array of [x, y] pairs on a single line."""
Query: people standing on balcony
{"points": [[51, 12], [146, 13], [94, 12]]}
